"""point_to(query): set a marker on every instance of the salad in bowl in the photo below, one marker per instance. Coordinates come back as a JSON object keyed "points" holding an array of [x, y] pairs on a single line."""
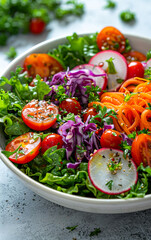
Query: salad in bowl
{"points": [[77, 119]]}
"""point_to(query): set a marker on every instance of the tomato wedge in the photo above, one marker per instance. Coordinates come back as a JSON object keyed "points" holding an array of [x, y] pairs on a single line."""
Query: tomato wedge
{"points": [[134, 56], [111, 38], [28, 148], [41, 64], [39, 115], [141, 149]]}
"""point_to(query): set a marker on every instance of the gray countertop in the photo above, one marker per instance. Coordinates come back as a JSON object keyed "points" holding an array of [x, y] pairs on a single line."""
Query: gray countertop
{"points": [[24, 214]]}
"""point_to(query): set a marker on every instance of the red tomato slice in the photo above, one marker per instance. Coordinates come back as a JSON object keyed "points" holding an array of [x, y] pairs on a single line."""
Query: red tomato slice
{"points": [[135, 69], [134, 56], [141, 149], [111, 139], [29, 148], [111, 38], [41, 64], [70, 105], [37, 25], [39, 115], [50, 141]]}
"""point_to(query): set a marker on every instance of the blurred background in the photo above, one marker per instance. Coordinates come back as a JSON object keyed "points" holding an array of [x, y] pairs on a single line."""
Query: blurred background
{"points": [[63, 17], [24, 214]]}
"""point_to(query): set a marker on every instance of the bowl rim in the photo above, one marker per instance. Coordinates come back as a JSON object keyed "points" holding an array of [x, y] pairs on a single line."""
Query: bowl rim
{"points": [[39, 185]]}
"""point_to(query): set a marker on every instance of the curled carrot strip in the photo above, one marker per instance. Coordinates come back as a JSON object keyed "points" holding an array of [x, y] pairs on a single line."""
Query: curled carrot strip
{"points": [[145, 116]]}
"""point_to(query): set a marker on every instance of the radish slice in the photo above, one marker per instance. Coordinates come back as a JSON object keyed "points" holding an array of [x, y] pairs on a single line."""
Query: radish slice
{"points": [[108, 180], [101, 81], [120, 65]]}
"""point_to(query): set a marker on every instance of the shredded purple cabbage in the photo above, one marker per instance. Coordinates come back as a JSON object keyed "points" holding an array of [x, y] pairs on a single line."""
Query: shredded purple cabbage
{"points": [[74, 83], [78, 135]]}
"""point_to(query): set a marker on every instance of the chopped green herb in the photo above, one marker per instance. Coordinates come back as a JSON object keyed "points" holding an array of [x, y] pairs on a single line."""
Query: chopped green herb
{"points": [[72, 228], [93, 93], [127, 46], [111, 67], [149, 106], [109, 184], [95, 232], [126, 148], [148, 73], [11, 53], [127, 16], [110, 4], [31, 116], [119, 80], [113, 165], [148, 55]]}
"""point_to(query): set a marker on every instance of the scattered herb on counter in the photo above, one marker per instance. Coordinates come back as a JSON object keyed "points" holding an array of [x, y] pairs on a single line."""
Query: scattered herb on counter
{"points": [[72, 228], [127, 16], [11, 54], [95, 232], [110, 4]]}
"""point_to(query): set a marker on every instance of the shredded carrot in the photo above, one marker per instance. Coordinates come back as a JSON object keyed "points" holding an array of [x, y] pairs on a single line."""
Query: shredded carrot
{"points": [[131, 104]]}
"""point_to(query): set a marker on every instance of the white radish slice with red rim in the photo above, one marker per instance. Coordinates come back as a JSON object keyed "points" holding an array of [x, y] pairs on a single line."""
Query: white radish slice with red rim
{"points": [[120, 64], [101, 81], [107, 180]]}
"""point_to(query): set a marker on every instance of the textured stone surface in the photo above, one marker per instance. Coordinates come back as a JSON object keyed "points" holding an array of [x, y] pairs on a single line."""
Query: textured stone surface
{"points": [[25, 215]]}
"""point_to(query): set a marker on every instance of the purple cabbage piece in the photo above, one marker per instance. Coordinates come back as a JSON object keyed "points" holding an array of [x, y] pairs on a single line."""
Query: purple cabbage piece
{"points": [[80, 134], [74, 83]]}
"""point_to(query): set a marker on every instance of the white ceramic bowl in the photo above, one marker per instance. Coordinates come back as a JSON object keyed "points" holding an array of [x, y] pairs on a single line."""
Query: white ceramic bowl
{"points": [[67, 200]]}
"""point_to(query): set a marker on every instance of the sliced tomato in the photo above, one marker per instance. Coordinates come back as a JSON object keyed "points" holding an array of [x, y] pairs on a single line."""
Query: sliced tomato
{"points": [[39, 115], [134, 56], [141, 149], [28, 150], [41, 64], [111, 38], [37, 25], [70, 105], [111, 139], [135, 69], [50, 141]]}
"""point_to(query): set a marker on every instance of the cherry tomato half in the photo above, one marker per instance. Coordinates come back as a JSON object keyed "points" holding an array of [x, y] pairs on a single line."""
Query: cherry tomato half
{"points": [[70, 105], [29, 148], [111, 139], [89, 112], [39, 115], [50, 141], [41, 64], [37, 25], [141, 149], [111, 38], [134, 56], [135, 69]]}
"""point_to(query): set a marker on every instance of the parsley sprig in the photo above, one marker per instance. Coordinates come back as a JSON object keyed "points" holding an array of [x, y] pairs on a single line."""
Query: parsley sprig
{"points": [[104, 115]]}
